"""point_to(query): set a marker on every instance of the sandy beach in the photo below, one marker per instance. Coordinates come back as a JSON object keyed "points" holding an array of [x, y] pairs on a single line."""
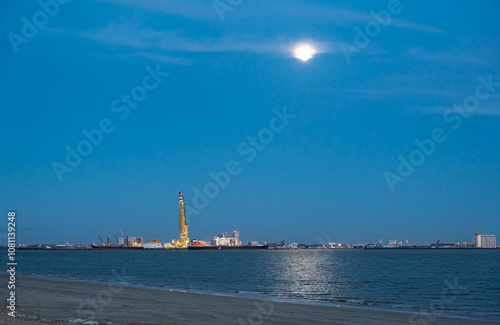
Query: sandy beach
{"points": [[40, 301]]}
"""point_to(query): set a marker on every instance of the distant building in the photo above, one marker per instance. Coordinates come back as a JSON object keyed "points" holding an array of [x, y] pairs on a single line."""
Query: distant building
{"points": [[236, 236], [484, 241], [467, 245]]}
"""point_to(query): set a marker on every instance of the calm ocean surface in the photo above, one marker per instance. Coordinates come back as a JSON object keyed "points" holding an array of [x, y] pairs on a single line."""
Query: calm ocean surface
{"points": [[447, 282]]}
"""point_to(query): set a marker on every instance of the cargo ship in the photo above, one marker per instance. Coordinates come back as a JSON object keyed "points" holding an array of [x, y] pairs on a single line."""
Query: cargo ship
{"points": [[115, 248], [228, 248], [222, 242]]}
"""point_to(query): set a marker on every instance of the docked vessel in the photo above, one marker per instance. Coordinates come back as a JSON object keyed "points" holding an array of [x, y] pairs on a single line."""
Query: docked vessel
{"points": [[230, 248], [115, 248], [222, 242]]}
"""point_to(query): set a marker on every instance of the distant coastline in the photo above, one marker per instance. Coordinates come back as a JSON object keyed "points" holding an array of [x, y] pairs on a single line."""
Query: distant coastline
{"points": [[80, 247]]}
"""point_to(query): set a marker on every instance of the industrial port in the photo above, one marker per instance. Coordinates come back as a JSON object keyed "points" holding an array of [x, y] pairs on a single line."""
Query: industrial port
{"points": [[221, 242], [233, 242]]}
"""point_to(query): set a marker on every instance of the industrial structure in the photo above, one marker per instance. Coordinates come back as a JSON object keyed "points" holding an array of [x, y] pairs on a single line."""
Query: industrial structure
{"points": [[123, 243], [220, 242], [228, 241], [223, 242], [484, 241], [183, 240], [153, 244]]}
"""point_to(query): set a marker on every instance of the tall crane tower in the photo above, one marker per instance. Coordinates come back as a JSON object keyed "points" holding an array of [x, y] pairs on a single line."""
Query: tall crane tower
{"points": [[183, 238]]}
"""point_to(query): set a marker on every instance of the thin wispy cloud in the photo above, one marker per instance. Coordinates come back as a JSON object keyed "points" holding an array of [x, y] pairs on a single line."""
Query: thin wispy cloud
{"points": [[256, 11], [342, 17], [157, 33], [486, 109], [495, 111], [194, 9], [162, 58], [474, 56], [417, 27], [132, 35]]}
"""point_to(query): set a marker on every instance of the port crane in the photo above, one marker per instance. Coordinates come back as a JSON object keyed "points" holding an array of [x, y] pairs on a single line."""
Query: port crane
{"points": [[183, 240], [125, 237], [108, 241]]}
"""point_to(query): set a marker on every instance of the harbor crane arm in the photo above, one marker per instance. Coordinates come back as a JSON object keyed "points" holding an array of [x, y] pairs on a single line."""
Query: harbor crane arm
{"points": [[108, 241], [183, 240], [125, 237]]}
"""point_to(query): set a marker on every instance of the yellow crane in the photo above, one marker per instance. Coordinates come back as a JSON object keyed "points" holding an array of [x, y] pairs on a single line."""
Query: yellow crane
{"points": [[183, 240]]}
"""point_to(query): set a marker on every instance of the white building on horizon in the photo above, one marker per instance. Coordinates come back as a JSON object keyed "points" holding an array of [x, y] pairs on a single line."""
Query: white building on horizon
{"points": [[484, 241]]}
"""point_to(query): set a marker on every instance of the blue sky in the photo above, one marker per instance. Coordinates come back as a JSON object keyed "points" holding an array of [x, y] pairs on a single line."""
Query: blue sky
{"points": [[322, 176]]}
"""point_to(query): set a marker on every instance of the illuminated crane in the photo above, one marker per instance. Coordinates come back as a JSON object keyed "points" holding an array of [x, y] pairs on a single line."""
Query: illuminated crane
{"points": [[183, 238], [108, 241]]}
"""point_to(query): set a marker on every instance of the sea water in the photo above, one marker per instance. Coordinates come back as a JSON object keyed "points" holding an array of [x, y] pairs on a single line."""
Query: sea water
{"points": [[459, 282]]}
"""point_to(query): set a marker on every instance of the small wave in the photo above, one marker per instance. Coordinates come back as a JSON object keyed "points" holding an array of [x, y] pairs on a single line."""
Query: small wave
{"points": [[83, 321]]}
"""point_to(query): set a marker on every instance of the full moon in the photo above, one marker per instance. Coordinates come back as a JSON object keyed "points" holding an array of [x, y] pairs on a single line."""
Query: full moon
{"points": [[304, 52]]}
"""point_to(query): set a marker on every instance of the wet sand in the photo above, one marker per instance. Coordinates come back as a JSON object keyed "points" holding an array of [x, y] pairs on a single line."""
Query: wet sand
{"points": [[40, 301]]}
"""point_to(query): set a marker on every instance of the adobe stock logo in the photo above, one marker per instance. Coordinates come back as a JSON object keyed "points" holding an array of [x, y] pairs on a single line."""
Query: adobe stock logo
{"points": [[249, 149], [95, 136], [454, 116], [372, 29], [30, 28], [221, 6]]}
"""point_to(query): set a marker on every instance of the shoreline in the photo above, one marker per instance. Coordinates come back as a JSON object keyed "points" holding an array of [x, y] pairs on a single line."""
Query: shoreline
{"points": [[252, 297], [60, 300]]}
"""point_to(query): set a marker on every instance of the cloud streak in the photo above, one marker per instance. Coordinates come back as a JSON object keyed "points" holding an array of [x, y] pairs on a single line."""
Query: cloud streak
{"points": [[154, 35], [134, 36], [257, 11]]}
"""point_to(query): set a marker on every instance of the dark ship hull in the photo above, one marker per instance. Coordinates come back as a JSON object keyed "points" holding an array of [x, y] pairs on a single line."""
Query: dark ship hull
{"points": [[116, 248], [229, 248]]}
